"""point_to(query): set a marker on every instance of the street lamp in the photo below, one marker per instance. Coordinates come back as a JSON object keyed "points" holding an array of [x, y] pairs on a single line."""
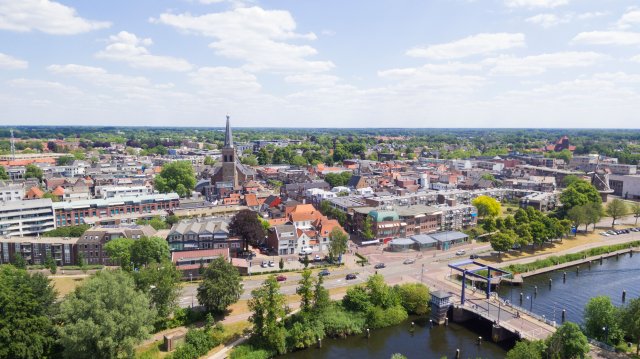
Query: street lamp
{"points": [[606, 334], [531, 305]]}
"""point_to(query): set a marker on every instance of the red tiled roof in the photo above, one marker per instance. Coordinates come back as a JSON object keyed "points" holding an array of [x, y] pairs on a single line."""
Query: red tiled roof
{"points": [[197, 254]]}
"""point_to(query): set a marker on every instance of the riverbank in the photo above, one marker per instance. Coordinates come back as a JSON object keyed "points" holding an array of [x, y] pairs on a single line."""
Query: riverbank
{"points": [[551, 263]]}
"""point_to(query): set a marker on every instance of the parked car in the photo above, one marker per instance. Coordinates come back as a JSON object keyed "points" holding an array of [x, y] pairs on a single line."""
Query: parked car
{"points": [[474, 256], [264, 264], [460, 252], [409, 261], [379, 265], [272, 264], [305, 251], [605, 234], [324, 272], [281, 278], [351, 276], [317, 258], [613, 233]]}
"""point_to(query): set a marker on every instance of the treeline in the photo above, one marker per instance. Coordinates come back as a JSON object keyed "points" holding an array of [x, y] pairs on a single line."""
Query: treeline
{"points": [[373, 305]]}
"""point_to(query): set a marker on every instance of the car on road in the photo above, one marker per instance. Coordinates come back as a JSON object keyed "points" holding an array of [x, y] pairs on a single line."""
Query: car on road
{"points": [[409, 261], [281, 278], [351, 276], [324, 272], [460, 252], [379, 266], [474, 256]]}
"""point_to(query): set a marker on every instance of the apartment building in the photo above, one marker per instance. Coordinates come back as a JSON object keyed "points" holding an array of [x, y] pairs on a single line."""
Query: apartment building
{"points": [[26, 217]]}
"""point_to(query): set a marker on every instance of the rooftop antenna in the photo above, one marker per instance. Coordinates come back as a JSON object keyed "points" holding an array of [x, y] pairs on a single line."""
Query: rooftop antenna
{"points": [[13, 147]]}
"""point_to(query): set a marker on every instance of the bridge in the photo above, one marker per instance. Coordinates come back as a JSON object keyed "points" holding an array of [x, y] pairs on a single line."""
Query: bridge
{"points": [[508, 320]]}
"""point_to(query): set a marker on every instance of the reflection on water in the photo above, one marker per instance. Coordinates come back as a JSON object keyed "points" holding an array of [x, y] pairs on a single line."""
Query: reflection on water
{"points": [[609, 278], [424, 342]]}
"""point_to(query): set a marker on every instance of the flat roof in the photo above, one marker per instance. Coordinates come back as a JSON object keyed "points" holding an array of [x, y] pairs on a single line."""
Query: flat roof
{"points": [[448, 236]]}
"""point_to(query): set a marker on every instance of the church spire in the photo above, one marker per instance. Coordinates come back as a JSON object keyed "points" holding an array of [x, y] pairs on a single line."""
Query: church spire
{"points": [[228, 138]]}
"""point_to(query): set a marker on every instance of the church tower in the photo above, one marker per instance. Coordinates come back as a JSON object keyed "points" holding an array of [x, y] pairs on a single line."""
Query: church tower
{"points": [[229, 158]]}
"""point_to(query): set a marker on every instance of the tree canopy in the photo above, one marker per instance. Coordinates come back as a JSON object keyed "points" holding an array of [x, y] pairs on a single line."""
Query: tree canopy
{"points": [[338, 242], [105, 317], [26, 303], [221, 285], [487, 206], [568, 342], [616, 209], [176, 177], [246, 225]]}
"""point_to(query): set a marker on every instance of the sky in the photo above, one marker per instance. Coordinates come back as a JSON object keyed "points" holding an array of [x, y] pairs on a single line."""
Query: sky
{"points": [[323, 63]]}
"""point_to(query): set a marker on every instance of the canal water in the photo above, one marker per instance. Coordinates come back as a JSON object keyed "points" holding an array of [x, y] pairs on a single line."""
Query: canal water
{"points": [[424, 342], [609, 278]]}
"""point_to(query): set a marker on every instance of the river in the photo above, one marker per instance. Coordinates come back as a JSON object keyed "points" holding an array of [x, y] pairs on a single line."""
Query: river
{"points": [[424, 342], [609, 278]]}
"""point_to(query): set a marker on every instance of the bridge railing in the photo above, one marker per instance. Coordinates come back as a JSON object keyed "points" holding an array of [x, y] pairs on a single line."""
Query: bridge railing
{"points": [[543, 319]]}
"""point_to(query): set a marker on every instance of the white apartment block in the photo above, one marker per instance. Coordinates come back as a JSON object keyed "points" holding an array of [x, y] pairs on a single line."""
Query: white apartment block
{"points": [[26, 217]]}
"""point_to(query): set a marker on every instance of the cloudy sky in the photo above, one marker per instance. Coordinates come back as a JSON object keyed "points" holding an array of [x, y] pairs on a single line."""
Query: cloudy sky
{"points": [[329, 63]]}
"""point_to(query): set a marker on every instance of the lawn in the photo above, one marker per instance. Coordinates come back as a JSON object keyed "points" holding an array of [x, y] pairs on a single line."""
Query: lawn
{"points": [[65, 285]]}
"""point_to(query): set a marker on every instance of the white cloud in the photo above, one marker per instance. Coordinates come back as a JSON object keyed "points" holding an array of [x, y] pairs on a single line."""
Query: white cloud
{"points": [[32, 84], [536, 3], [607, 38], [223, 81], [127, 47], [548, 20], [312, 79], [636, 58], [630, 18], [479, 44], [46, 16], [99, 77], [256, 36], [11, 63], [538, 64]]}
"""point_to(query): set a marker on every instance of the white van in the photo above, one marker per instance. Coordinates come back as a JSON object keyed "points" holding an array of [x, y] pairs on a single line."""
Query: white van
{"points": [[305, 251]]}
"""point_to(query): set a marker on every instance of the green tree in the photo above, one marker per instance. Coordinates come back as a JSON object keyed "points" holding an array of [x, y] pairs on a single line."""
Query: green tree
{"points": [[221, 285], [156, 222], [281, 263], [105, 317], [502, 242], [208, 161], [65, 160], [33, 171], [305, 290], [246, 225], [19, 261], [367, 228], [398, 356], [568, 342], [321, 298], [119, 251], [249, 160], [630, 320], [635, 209], [26, 303], [82, 262], [269, 308], [616, 209], [414, 297], [527, 350], [489, 224], [176, 177], [593, 212], [521, 216], [3, 174], [50, 263], [524, 236], [487, 206], [148, 250], [161, 281], [600, 313], [337, 243], [578, 193], [578, 215], [510, 222], [298, 161]]}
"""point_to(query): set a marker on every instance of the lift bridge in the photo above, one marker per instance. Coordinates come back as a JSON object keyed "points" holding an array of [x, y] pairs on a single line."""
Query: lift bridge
{"points": [[507, 319]]}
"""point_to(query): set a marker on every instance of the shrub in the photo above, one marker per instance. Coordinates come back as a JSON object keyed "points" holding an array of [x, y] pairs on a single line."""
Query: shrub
{"points": [[380, 318], [248, 351], [414, 297], [337, 322]]}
